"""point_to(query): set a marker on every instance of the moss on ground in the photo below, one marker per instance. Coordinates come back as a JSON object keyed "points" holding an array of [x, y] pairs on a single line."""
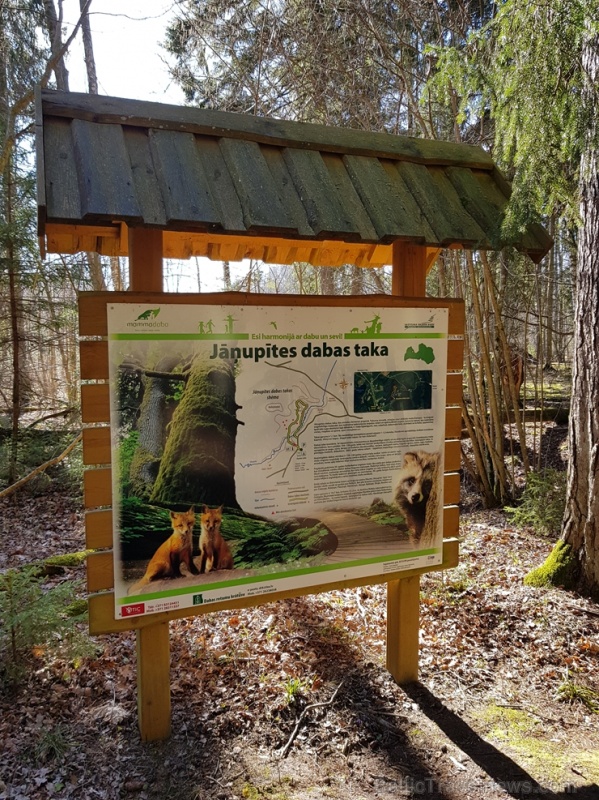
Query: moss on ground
{"points": [[68, 559], [548, 761]]}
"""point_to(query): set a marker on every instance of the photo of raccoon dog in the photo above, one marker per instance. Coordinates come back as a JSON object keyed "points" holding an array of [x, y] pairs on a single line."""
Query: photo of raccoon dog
{"points": [[417, 493]]}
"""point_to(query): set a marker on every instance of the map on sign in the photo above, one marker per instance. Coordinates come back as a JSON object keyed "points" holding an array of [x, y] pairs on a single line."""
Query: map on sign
{"points": [[392, 391], [290, 409]]}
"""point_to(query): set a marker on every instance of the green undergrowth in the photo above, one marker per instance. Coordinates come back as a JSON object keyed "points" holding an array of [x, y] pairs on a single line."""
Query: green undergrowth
{"points": [[571, 692], [260, 543], [557, 383], [542, 504], [383, 514], [35, 447], [38, 620], [255, 542]]}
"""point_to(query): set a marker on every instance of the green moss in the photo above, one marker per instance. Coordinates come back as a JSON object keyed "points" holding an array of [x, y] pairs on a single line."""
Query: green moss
{"points": [[68, 559], [126, 452], [260, 543], [383, 514], [525, 734], [253, 792], [198, 464], [76, 609], [505, 720], [141, 474], [560, 568]]}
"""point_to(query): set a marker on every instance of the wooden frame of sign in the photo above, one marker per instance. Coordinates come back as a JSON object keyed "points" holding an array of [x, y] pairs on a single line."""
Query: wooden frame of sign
{"points": [[410, 264]]}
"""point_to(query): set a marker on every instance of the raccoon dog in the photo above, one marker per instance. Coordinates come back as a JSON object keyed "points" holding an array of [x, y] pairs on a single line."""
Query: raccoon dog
{"points": [[416, 494]]}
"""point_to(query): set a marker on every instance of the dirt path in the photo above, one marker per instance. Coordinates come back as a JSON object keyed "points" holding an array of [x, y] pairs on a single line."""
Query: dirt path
{"points": [[360, 538]]}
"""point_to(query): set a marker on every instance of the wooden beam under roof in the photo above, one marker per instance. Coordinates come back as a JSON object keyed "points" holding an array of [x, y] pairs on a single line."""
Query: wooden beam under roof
{"points": [[113, 240]]}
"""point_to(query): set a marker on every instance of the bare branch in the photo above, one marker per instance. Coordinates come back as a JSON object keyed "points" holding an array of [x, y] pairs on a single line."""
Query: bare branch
{"points": [[302, 717], [42, 468]]}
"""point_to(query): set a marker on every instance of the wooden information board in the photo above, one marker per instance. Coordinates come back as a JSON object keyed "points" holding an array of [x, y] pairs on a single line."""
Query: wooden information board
{"points": [[99, 447]]}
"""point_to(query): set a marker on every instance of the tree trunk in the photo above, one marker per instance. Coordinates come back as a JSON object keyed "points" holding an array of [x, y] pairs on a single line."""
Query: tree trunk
{"points": [[115, 274], [357, 280], [93, 259], [226, 276], [54, 31], [327, 280], [581, 520], [90, 62], [551, 286], [154, 417], [15, 328], [198, 463]]}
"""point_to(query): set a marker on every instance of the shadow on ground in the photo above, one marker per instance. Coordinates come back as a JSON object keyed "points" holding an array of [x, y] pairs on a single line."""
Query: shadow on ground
{"points": [[498, 766], [363, 697]]}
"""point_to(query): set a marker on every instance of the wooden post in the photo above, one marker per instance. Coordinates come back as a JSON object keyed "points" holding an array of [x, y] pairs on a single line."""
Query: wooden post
{"points": [[154, 682], [403, 626], [403, 596], [409, 270], [153, 644], [145, 260]]}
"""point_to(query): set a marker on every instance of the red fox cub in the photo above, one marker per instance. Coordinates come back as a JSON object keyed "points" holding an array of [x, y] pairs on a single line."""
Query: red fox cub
{"points": [[214, 551], [166, 561], [417, 494]]}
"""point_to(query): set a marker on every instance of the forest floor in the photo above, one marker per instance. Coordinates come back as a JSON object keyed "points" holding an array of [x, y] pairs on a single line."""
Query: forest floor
{"points": [[500, 710]]}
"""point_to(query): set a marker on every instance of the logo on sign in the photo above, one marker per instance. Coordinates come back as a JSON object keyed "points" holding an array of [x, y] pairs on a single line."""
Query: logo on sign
{"points": [[133, 610], [151, 313], [198, 599], [147, 320]]}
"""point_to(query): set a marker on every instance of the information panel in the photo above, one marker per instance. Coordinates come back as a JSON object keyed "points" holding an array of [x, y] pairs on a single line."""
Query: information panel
{"points": [[258, 449]]}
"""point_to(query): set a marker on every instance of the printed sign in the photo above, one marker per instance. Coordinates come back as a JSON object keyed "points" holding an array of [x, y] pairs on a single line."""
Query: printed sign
{"points": [[259, 449]]}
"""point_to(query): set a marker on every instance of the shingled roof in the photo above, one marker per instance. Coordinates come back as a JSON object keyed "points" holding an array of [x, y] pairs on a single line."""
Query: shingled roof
{"points": [[104, 162]]}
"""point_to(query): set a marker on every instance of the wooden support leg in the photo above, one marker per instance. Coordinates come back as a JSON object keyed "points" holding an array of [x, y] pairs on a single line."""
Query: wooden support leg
{"points": [[153, 682], [153, 646], [403, 596], [403, 622]]}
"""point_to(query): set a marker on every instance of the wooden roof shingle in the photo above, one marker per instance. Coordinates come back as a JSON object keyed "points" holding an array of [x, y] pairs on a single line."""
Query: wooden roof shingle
{"points": [[205, 175]]}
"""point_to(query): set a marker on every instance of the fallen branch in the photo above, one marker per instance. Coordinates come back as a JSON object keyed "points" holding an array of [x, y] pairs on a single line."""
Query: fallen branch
{"points": [[298, 724], [581, 610], [15, 486], [64, 413]]}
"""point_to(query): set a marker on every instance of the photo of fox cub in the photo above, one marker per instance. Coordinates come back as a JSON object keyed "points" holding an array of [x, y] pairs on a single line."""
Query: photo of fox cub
{"points": [[177, 549], [417, 494], [214, 551]]}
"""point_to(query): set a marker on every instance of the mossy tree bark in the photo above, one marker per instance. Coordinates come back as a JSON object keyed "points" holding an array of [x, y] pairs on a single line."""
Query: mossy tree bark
{"points": [[581, 520], [198, 463], [154, 414]]}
